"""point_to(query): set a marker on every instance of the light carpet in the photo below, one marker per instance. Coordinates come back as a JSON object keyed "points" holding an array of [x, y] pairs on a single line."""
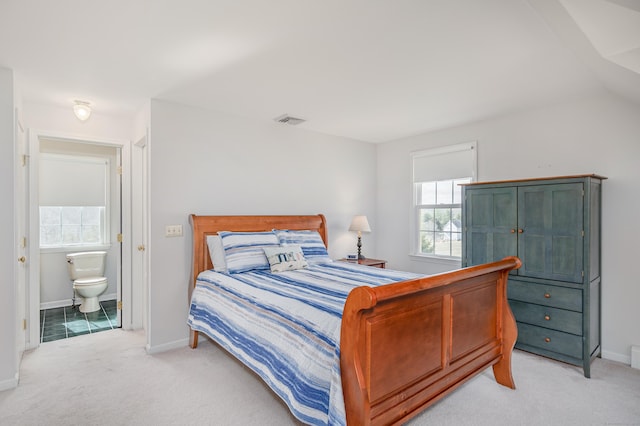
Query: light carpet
{"points": [[109, 379]]}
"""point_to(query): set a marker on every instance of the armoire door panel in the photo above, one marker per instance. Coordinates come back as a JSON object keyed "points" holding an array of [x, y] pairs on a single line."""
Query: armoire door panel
{"points": [[490, 227], [532, 248], [504, 215], [564, 265], [551, 216]]}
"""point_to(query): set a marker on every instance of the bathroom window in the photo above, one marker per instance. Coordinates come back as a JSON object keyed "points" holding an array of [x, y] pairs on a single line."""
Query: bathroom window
{"points": [[71, 226], [73, 200]]}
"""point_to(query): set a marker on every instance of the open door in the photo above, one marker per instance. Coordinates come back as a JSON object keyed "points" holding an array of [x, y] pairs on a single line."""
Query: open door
{"points": [[22, 210], [118, 196], [139, 263]]}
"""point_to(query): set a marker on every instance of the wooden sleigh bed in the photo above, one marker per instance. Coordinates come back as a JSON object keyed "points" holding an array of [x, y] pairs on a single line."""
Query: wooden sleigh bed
{"points": [[406, 345]]}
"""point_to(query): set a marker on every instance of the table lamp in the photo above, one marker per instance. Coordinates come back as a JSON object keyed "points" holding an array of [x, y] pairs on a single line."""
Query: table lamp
{"points": [[360, 224]]}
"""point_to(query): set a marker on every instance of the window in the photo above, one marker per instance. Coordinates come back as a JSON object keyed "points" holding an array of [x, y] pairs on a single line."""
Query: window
{"points": [[71, 226], [437, 199], [73, 201]]}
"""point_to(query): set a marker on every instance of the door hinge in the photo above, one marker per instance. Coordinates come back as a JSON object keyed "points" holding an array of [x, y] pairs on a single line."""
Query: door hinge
{"points": [[583, 232], [119, 305], [120, 170], [25, 159], [24, 323], [119, 238], [583, 274]]}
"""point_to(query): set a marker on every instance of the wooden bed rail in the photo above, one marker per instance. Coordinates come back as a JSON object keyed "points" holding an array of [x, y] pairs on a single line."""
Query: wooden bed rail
{"points": [[406, 345]]}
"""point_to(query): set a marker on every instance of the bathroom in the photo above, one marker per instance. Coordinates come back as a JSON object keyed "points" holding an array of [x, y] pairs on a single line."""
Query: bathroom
{"points": [[79, 209]]}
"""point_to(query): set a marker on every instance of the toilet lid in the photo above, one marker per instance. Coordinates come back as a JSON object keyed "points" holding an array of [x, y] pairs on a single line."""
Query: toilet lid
{"points": [[90, 281]]}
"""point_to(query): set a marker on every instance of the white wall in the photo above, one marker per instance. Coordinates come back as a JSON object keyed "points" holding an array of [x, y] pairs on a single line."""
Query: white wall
{"points": [[8, 258], [210, 163], [596, 135], [48, 118]]}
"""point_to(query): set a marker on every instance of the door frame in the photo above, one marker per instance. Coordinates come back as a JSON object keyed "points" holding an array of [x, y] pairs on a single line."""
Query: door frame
{"points": [[33, 284]]}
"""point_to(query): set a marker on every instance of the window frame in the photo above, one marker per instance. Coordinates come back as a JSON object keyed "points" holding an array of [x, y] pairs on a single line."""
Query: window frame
{"points": [[105, 216], [416, 209]]}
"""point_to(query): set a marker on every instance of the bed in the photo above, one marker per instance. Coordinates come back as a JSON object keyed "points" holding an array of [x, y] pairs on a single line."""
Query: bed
{"points": [[342, 343]]}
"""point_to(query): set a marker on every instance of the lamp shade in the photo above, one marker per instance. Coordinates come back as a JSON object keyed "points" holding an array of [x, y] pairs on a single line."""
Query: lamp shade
{"points": [[360, 224]]}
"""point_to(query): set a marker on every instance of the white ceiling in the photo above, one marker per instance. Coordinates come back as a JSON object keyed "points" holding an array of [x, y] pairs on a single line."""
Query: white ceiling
{"points": [[373, 70]]}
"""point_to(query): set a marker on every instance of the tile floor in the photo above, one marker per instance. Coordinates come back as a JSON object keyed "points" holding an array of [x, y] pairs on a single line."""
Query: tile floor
{"points": [[65, 322]]}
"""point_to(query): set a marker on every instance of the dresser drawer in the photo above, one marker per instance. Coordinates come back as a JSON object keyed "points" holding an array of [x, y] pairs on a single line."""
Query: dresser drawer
{"points": [[548, 317], [544, 294], [550, 340]]}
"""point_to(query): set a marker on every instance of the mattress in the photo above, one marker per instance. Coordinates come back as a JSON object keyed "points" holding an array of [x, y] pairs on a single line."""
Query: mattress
{"points": [[286, 328]]}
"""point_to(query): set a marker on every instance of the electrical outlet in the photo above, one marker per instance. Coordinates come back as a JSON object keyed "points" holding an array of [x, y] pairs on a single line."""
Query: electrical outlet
{"points": [[173, 231]]}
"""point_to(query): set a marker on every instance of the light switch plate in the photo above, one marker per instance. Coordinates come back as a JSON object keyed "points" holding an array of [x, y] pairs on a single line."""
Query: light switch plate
{"points": [[173, 231]]}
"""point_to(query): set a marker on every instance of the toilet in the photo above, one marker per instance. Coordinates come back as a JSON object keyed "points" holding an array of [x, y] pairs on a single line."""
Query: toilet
{"points": [[86, 270]]}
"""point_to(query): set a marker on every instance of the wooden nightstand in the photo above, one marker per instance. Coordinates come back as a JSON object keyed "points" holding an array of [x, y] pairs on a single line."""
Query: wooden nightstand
{"points": [[376, 263]]}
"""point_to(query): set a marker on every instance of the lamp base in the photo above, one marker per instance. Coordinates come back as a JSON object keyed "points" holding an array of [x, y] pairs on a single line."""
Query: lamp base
{"points": [[360, 255]]}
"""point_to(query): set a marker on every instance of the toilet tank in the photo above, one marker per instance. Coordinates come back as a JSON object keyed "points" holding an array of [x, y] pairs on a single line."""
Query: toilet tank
{"points": [[86, 264]]}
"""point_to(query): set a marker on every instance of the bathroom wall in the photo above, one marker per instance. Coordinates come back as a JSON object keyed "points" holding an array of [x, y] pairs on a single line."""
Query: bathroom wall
{"points": [[55, 285]]}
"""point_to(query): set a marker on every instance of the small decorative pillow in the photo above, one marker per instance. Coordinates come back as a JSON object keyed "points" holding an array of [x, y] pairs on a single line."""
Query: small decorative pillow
{"points": [[285, 258], [243, 251], [311, 243], [216, 252]]}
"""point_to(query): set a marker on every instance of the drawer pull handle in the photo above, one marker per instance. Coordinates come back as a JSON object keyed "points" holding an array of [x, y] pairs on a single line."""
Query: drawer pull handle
{"points": [[546, 339], [520, 231], [513, 231], [547, 296], [547, 318]]}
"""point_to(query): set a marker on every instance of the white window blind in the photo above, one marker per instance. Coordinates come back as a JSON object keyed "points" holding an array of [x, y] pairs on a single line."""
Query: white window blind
{"points": [[73, 181], [436, 226], [449, 162]]}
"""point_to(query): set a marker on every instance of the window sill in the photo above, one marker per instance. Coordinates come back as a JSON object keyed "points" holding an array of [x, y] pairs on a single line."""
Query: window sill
{"points": [[440, 260], [75, 249]]}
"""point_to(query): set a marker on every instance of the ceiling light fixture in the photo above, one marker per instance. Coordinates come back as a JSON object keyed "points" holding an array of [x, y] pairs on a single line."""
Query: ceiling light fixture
{"points": [[82, 110]]}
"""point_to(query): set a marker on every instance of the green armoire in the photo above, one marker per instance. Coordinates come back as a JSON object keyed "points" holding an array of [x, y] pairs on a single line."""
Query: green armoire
{"points": [[553, 226]]}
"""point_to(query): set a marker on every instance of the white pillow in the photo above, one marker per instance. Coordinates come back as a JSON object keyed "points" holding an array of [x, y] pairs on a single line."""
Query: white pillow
{"points": [[216, 252], [285, 258]]}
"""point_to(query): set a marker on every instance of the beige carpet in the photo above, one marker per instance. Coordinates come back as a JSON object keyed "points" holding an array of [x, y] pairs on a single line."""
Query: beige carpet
{"points": [[108, 379]]}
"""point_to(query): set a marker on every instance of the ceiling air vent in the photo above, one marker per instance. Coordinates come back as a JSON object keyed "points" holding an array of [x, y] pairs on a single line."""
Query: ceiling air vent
{"points": [[287, 119]]}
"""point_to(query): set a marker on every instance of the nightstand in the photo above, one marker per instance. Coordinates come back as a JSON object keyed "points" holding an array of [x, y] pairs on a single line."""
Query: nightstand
{"points": [[376, 263]]}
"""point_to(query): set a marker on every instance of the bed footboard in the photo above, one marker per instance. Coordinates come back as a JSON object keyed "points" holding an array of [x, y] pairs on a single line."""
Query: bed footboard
{"points": [[406, 345]]}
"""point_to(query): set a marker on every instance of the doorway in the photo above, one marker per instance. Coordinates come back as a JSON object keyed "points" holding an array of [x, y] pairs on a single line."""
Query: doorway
{"points": [[48, 283]]}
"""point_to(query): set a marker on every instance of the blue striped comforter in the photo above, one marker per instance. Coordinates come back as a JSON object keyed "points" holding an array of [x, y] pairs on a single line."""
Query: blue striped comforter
{"points": [[286, 328]]}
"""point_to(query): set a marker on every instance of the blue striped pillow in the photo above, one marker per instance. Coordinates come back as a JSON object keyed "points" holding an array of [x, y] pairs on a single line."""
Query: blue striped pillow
{"points": [[311, 243], [244, 251]]}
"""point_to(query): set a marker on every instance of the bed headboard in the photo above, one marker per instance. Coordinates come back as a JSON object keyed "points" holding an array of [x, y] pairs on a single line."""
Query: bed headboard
{"points": [[210, 225]]}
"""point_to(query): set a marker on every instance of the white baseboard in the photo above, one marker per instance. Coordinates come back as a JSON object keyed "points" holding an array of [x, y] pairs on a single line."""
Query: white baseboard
{"points": [[635, 356], [9, 384], [613, 356], [67, 302], [167, 346]]}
